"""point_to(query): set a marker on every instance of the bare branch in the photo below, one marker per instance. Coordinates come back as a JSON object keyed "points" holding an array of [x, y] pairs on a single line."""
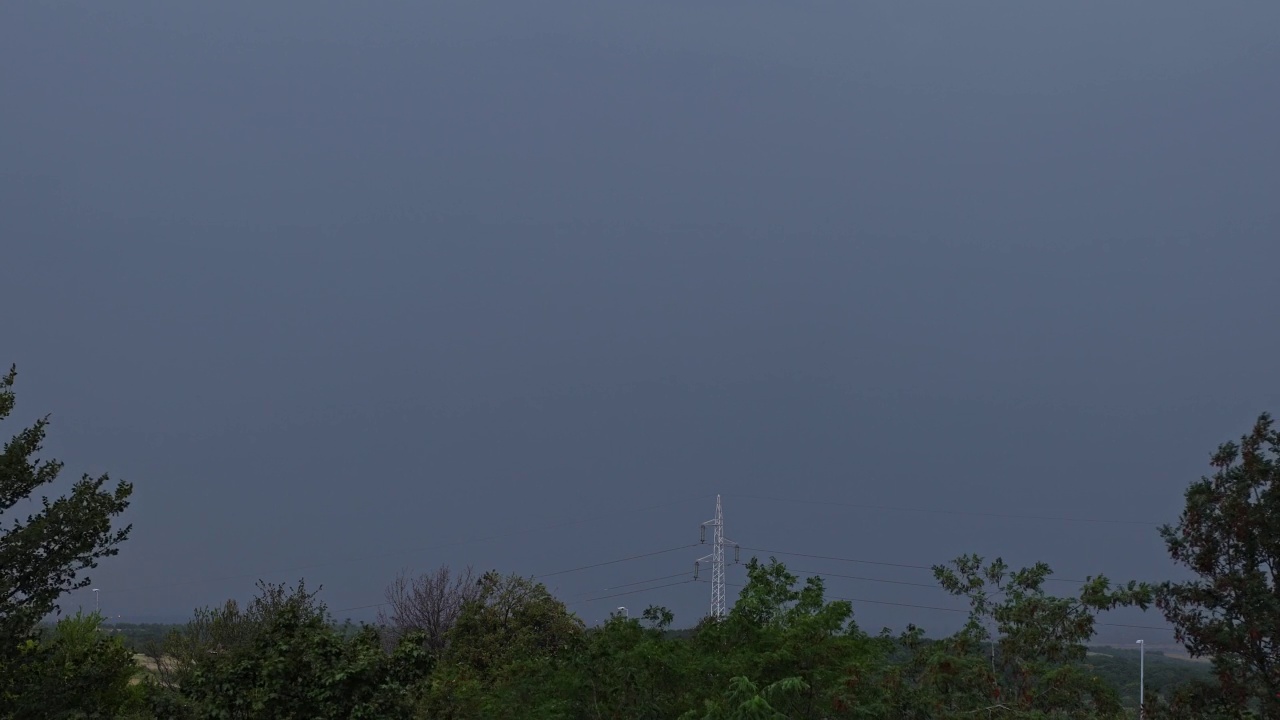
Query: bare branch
{"points": [[429, 603]]}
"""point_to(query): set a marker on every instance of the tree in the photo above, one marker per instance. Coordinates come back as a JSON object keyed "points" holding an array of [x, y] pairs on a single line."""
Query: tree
{"points": [[428, 605], [507, 654], [283, 657], [227, 631], [1229, 536], [635, 669], [744, 700], [790, 640], [1037, 644], [77, 671], [44, 556]]}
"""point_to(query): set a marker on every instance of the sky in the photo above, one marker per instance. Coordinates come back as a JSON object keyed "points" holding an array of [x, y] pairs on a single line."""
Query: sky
{"points": [[350, 289]]}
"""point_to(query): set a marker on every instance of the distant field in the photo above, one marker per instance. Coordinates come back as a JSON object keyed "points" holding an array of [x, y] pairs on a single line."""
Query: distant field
{"points": [[1172, 652], [145, 662]]}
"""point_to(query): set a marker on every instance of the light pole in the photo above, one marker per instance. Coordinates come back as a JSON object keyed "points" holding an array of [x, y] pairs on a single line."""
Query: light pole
{"points": [[624, 613], [1142, 679], [95, 600]]}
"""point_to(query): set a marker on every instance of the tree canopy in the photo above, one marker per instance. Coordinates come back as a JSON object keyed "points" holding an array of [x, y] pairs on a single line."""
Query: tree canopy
{"points": [[459, 646], [45, 554], [1229, 536]]}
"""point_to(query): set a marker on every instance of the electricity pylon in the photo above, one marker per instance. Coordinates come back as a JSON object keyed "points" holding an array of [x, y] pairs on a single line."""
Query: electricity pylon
{"points": [[718, 544]]}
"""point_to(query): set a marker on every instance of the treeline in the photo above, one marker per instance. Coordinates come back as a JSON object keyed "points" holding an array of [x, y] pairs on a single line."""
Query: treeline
{"points": [[457, 645], [1118, 667], [503, 646], [138, 637]]}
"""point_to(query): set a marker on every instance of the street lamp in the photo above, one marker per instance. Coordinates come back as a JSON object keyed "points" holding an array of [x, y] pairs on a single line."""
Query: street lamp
{"points": [[95, 600], [624, 613], [1142, 679]]}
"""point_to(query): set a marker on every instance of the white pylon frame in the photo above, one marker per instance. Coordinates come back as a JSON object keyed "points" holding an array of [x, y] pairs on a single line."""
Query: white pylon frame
{"points": [[719, 608]]}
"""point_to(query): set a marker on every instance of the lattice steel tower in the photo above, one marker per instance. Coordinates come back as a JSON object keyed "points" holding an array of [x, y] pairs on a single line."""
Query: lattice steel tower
{"points": [[718, 544]]}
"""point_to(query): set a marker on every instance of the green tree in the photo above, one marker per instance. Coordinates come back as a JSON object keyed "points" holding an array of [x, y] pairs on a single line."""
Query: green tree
{"points": [[284, 658], [1229, 536], [790, 640], [228, 630], [745, 700], [635, 669], [45, 555], [1022, 650], [507, 655], [77, 671]]}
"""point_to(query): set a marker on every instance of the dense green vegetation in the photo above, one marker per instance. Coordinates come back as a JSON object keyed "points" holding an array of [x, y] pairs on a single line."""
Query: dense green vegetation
{"points": [[1165, 675], [1117, 667], [459, 646]]}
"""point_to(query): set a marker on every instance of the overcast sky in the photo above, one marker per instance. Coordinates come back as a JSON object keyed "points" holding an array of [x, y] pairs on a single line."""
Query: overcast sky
{"points": [[348, 288]]}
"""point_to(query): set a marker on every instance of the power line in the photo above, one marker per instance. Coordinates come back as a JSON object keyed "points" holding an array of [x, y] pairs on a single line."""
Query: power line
{"points": [[875, 562], [963, 610], [584, 600], [630, 584], [839, 559], [576, 569], [933, 586], [882, 602], [1005, 516], [360, 607], [615, 562], [633, 592], [1140, 627], [361, 558]]}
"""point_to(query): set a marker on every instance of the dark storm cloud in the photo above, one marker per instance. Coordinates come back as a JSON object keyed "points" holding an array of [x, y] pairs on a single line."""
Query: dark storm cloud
{"points": [[333, 283]]}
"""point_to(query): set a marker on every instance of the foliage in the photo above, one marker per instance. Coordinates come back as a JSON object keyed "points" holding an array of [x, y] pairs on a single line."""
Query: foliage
{"points": [[1021, 652], [41, 557], [282, 657], [1165, 675], [744, 700], [139, 637], [506, 654], [1229, 536], [227, 630], [631, 668], [44, 555], [782, 632], [76, 671]]}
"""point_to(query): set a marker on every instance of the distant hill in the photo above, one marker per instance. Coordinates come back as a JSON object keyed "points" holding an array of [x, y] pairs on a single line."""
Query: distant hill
{"points": [[1164, 671]]}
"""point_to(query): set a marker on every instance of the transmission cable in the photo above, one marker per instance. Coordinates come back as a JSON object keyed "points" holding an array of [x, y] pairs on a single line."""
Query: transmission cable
{"points": [[442, 546], [959, 610], [632, 592], [577, 569], [873, 562], [1006, 516], [615, 562], [578, 597]]}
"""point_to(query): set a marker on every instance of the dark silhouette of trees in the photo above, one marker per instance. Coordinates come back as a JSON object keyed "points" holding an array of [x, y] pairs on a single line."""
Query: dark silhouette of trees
{"points": [[45, 555], [1229, 536]]}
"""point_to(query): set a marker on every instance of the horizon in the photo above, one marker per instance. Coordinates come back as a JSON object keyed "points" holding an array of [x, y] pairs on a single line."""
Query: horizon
{"points": [[346, 291]]}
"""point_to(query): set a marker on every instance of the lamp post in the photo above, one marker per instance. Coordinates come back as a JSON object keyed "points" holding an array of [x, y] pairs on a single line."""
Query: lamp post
{"points": [[95, 600], [1142, 679], [623, 611]]}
